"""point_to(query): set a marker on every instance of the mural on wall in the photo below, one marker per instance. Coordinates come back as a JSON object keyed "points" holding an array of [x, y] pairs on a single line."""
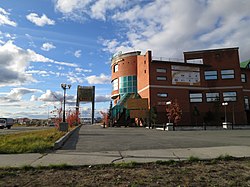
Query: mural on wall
{"points": [[183, 75]]}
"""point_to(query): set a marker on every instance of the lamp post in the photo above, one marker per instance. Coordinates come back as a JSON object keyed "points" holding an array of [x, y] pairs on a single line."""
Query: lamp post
{"points": [[225, 104], [64, 87], [168, 103], [170, 126]]}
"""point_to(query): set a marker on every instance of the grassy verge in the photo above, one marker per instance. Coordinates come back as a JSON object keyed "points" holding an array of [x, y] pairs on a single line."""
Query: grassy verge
{"points": [[29, 142]]}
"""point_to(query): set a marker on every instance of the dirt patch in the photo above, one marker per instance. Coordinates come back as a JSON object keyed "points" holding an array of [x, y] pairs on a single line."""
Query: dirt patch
{"points": [[196, 173]]}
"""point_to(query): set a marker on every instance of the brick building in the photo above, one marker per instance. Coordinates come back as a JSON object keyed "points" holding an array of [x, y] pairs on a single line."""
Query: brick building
{"points": [[200, 83]]}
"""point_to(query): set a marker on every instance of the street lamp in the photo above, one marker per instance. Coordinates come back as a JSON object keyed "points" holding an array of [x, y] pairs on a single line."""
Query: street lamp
{"points": [[64, 87], [225, 104], [168, 103]]}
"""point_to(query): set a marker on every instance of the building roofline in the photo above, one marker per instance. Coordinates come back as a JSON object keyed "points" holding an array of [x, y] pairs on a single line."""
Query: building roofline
{"points": [[211, 50], [181, 63]]}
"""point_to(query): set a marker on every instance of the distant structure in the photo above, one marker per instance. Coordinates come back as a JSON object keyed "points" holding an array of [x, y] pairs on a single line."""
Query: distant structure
{"points": [[201, 83], [86, 94]]}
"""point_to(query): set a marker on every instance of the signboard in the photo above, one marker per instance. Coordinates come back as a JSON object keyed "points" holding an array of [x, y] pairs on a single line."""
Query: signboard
{"points": [[185, 75], [85, 93], [138, 114], [137, 103]]}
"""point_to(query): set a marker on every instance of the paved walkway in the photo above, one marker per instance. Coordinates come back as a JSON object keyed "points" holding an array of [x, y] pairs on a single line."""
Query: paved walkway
{"points": [[91, 145]]}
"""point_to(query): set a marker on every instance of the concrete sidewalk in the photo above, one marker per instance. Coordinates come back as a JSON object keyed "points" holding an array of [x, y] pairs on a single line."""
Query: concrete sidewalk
{"points": [[92, 145], [81, 158]]}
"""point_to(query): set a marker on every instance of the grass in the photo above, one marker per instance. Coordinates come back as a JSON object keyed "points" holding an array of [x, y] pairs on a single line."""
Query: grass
{"points": [[29, 142], [126, 164]]}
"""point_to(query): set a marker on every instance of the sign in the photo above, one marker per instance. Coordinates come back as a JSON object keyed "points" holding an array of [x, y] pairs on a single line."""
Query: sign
{"points": [[85, 93], [137, 103], [185, 75]]}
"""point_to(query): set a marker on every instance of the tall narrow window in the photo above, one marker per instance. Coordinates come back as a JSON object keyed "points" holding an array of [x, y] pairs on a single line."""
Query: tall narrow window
{"points": [[246, 102], [195, 97], [116, 68], [115, 84], [227, 74], [243, 77]]}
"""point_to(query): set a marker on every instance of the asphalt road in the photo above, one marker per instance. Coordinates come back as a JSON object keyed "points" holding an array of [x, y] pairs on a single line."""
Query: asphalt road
{"points": [[93, 138]]}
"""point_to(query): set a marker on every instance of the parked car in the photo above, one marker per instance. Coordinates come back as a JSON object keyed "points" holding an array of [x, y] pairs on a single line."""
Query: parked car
{"points": [[6, 123]]}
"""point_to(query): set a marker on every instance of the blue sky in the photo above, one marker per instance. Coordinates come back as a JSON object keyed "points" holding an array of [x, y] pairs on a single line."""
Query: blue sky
{"points": [[44, 43]]}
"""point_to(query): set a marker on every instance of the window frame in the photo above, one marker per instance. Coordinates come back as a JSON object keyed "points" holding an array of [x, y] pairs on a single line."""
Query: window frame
{"points": [[196, 97], [227, 75], [161, 78], [209, 76], [116, 68], [212, 99], [243, 78], [227, 97], [246, 104], [115, 84], [162, 95], [161, 70]]}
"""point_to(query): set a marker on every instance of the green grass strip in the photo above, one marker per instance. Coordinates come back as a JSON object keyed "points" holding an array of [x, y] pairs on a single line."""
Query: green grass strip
{"points": [[29, 142]]}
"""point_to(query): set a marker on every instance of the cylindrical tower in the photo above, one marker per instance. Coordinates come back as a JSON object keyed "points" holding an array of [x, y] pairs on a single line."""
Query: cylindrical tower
{"points": [[124, 74]]}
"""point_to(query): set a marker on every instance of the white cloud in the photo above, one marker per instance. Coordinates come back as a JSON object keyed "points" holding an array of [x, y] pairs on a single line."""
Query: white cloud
{"points": [[50, 96], [47, 46], [170, 27], [81, 9], [102, 98], [40, 21], [14, 62], [4, 18], [77, 53], [18, 93], [102, 79], [81, 70], [99, 8], [33, 98]]}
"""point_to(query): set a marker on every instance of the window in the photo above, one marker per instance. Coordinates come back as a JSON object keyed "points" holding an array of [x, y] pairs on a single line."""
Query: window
{"points": [[246, 101], [195, 61], [116, 68], [115, 84], [162, 95], [161, 78], [229, 96], [227, 74], [212, 97], [243, 77], [195, 97], [161, 70], [211, 75], [127, 84]]}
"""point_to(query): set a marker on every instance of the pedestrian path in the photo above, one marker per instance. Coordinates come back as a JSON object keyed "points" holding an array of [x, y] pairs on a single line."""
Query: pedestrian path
{"points": [[92, 145]]}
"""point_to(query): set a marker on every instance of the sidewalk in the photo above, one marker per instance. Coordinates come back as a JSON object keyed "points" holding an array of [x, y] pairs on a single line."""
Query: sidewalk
{"points": [[81, 147], [80, 158]]}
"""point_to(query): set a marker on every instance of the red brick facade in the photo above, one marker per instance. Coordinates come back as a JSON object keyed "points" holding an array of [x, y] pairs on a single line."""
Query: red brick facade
{"points": [[201, 83]]}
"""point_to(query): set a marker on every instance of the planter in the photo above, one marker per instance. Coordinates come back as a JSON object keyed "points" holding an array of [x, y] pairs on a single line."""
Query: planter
{"points": [[169, 126], [63, 126], [227, 125]]}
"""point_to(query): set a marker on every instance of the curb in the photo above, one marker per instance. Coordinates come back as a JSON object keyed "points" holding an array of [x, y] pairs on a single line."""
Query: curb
{"points": [[58, 144]]}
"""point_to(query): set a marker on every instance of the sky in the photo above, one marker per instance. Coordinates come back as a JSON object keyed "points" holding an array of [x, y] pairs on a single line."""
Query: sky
{"points": [[44, 43]]}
